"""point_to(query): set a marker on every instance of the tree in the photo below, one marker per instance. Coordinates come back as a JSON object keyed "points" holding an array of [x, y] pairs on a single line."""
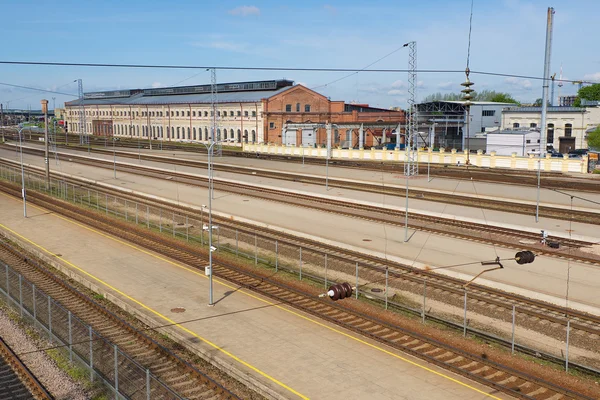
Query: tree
{"points": [[503, 98], [484, 95], [538, 102], [594, 138], [591, 93]]}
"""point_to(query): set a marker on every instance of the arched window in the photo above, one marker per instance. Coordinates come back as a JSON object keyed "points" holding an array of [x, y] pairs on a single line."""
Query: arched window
{"points": [[254, 135], [516, 125], [205, 133], [177, 113], [568, 130], [225, 134], [206, 113], [218, 138], [307, 108], [239, 134], [178, 132], [137, 130], [231, 113], [194, 130], [550, 134], [188, 133], [533, 125], [245, 136]]}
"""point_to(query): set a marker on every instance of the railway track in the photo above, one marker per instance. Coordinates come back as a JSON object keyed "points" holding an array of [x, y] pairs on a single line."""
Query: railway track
{"points": [[16, 380], [178, 378], [420, 194], [477, 367], [554, 180]]}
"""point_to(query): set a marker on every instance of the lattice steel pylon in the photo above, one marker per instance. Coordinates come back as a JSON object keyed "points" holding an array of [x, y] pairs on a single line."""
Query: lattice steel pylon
{"points": [[216, 132], [82, 123], [411, 160]]}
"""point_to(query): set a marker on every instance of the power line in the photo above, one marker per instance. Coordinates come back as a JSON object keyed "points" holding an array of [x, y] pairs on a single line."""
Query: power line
{"points": [[298, 69], [39, 90]]}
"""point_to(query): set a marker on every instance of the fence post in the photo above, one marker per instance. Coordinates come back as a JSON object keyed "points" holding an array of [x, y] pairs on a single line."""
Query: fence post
{"points": [[91, 355], [34, 307], [147, 384], [465, 317], [387, 276], [325, 270], [97, 201], [70, 339], [276, 255], [356, 280], [116, 372], [512, 341], [50, 318], [567, 346], [300, 263], [424, 298], [255, 249], [21, 293]]}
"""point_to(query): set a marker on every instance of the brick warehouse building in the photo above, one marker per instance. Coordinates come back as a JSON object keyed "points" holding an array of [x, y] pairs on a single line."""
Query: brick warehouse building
{"points": [[256, 112], [296, 116]]}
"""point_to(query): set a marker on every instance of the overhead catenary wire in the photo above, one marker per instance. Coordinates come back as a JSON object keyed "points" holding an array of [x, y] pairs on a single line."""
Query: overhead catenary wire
{"points": [[250, 68]]}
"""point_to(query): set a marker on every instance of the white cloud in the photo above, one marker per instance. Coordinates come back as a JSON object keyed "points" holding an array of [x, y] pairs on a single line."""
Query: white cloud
{"points": [[446, 85], [244, 11], [421, 84], [395, 92], [591, 77], [519, 83], [157, 84], [399, 84]]}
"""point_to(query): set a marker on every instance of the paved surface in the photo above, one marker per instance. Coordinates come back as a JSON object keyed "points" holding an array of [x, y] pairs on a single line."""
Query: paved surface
{"points": [[295, 355], [555, 227], [546, 278]]}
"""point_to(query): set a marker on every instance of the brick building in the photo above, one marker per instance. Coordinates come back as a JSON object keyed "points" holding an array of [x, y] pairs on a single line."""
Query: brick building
{"points": [[296, 116]]}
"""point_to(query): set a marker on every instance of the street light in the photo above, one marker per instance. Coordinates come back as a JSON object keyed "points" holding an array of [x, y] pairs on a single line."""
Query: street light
{"points": [[209, 149], [23, 193]]}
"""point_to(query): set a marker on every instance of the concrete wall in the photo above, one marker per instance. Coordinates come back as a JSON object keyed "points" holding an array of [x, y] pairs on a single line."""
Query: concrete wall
{"points": [[442, 157]]}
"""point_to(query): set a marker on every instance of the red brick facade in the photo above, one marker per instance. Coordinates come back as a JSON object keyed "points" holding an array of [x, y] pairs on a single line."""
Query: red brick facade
{"points": [[300, 105]]}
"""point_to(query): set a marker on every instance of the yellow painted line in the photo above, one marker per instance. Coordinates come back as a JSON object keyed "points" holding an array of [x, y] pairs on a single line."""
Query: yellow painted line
{"points": [[304, 317]]}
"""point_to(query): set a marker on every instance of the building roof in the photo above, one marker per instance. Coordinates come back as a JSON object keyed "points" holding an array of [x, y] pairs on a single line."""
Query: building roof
{"points": [[514, 132], [550, 109], [241, 92]]}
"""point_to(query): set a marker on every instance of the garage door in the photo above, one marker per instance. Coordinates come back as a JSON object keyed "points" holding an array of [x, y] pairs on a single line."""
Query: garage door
{"points": [[289, 137], [308, 138]]}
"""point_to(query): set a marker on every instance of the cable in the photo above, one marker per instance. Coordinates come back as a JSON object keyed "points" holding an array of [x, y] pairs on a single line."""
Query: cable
{"points": [[39, 90], [232, 68], [354, 73], [21, 98], [470, 28]]}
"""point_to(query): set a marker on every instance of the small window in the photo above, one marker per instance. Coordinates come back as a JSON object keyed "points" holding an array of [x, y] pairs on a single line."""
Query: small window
{"points": [[307, 108], [245, 113], [533, 125], [568, 130], [177, 115], [239, 113], [528, 141], [231, 113], [488, 113], [271, 125], [254, 113], [188, 113], [288, 108], [516, 125], [193, 115], [297, 107], [206, 113], [218, 113]]}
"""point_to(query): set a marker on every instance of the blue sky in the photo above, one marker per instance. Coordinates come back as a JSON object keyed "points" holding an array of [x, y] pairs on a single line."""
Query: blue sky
{"points": [[508, 37]]}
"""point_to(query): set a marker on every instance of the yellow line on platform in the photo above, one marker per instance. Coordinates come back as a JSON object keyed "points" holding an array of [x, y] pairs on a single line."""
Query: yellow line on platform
{"points": [[304, 317]]}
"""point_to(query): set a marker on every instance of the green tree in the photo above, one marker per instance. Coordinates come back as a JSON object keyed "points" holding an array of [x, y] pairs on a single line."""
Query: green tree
{"points": [[538, 102], [484, 95], [591, 93], [594, 138]]}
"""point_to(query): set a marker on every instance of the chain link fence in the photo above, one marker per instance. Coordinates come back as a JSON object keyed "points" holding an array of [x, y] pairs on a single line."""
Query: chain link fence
{"points": [[430, 301], [108, 366]]}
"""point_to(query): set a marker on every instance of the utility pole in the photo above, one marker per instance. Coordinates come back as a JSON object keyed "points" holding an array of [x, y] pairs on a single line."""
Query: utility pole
{"points": [[550, 21], [46, 158], [82, 122], [411, 155], [2, 121]]}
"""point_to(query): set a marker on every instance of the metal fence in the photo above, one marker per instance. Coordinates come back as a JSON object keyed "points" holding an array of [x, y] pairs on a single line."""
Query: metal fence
{"points": [[375, 283], [107, 365]]}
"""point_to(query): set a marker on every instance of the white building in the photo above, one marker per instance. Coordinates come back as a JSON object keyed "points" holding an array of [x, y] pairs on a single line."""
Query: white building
{"points": [[176, 113], [566, 126], [507, 142]]}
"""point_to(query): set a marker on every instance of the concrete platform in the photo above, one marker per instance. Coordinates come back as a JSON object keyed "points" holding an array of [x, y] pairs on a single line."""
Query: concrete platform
{"points": [[289, 354], [545, 279], [560, 228]]}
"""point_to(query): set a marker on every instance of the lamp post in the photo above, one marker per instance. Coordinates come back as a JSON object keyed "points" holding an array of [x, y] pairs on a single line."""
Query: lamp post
{"points": [[46, 160], [23, 193], [210, 149]]}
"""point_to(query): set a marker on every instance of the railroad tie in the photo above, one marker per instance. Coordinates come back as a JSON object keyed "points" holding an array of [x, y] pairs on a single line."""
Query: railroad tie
{"points": [[455, 359], [494, 375], [469, 365]]}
